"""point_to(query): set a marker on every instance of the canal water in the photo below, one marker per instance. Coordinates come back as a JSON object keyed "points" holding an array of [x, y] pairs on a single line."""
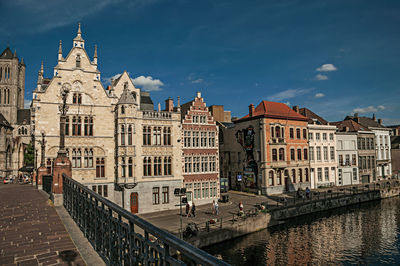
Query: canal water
{"points": [[366, 234]]}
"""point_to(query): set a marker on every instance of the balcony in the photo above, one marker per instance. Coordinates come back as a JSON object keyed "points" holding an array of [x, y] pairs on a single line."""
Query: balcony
{"points": [[157, 115]]}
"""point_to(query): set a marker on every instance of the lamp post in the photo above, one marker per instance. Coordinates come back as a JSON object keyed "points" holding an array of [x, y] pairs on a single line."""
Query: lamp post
{"points": [[34, 153], [180, 192], [42, 146], [63, 107]]}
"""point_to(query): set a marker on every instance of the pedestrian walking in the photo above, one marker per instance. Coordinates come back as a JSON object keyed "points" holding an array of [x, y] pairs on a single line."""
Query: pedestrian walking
{"points": [[187, 209], [193, 210], [216, 208]]}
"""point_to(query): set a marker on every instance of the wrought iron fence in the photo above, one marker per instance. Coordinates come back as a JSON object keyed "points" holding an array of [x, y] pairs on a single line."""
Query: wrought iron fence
{"points": [[122, 238], [47, 181]]}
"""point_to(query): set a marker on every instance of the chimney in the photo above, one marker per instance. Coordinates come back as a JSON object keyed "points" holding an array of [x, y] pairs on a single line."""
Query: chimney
{"points": [[296, 108], [380, 121], [373, 117], [251, 110], [356, 117], [169, 105]]}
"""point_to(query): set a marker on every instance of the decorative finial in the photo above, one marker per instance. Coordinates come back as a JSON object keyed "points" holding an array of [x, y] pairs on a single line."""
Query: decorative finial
{"points": [[60, 48], [22, 61], [95, 51], [15, 54], [41, 67], [79, 28]]}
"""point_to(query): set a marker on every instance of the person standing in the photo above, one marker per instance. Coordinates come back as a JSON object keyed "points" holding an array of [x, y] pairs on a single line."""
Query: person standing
{"points": [[240, 206], [216, 208], [213, 208], [187, 209], [193, 210]]}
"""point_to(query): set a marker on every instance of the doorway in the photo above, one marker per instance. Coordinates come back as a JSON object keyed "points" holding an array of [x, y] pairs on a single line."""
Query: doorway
{"points": [[134, 202]]}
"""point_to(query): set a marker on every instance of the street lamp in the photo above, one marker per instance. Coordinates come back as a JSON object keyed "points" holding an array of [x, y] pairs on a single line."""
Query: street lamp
{"points": [[63, 107], [180, 192], [43, 146]]}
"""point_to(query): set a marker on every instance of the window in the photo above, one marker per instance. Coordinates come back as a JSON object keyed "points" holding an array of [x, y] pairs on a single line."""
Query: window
{"points": [[157, 136], [304, 133], [94, 188], [310, 136], [130, 167], [347, 159], [292, 155], [205, 189], [278, 177], [186, 138], [318, 153], [369, 162], [167, 136], [204, 163], [281, 154], [105, 191], [146, 166], [293, 176], [311, 153], [88, 158], [326, 173], [272, 132], [122, 110], [325, 154], [197, 191], [305, 154], [340, 159], [277, 132], [298, 133], [291, 133], [157, 166], [332, 153], [100, 190], [123, 167], [300, 175], [299, 154], [212, 164], [355, 174], [188, 164], [130, 135], [88, 126], [146, 135], [167, 166], [76, 158], [319, 172], [211, 139], [330, 136], [196, 139], [156, 195], [324, 137], [122, 135], [76, 126], [271, 178], [67, 126], [165, 195], [100, 167], [203, 139], [78, 61], [317, 136], [354, 159], [306, 174], [274, 155]]}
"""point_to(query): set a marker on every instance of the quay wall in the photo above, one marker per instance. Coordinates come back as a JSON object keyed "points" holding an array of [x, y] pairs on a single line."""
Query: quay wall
{"points": [[257, 221]]}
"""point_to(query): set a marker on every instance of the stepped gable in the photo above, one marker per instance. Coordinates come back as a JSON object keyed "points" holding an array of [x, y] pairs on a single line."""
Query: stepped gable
{"points": [[274, 110]]}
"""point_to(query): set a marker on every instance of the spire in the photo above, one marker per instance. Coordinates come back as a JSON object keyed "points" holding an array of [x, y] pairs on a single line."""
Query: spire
{"points": [[41, 68], [79, 29], [22, 61], [15, 54], [95, 55], [78, 41], [60, 51]]}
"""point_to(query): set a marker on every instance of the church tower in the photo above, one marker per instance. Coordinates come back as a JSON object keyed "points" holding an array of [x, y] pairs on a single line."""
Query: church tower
{"points": [[12, 85]]}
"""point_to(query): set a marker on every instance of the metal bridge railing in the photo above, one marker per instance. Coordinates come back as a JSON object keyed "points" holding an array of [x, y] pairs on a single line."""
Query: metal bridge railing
{"points": [[122, 238]]}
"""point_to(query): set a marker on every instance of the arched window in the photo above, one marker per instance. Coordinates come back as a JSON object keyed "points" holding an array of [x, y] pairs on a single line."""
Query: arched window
{"points": [[304, 133], [300, 175], [122, 135], [306, 174], [293, 176], [278, 177], [19, 131], [130, 135], [271, 178], [130, 167], [78, 61], [274, 155], [277, 132]]}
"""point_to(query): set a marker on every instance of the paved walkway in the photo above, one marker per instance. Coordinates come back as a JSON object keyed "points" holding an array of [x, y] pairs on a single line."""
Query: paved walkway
{"points": [[31, 232]]}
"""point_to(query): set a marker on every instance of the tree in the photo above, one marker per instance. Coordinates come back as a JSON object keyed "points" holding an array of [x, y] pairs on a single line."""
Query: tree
{"points": [[29, 155]]}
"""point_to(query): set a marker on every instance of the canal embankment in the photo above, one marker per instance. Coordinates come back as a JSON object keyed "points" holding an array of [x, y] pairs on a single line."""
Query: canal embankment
{"points": [[264, 215]]}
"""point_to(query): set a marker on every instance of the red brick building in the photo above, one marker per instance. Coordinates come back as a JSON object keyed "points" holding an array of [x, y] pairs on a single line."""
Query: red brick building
{"points": [[271, 146], [200, 152]]}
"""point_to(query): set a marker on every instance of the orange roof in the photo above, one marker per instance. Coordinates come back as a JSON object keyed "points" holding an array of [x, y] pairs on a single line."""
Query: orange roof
{"points": [[275, 110]]}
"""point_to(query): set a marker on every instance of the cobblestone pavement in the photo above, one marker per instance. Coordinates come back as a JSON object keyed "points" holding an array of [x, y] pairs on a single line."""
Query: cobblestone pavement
{"points": [[31, 232]]}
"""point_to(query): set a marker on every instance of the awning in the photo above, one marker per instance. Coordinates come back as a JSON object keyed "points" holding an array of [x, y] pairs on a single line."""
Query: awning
{"points": [[26, 168]]}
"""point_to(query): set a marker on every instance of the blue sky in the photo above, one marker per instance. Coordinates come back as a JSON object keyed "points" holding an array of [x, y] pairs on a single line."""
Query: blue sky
{"points": [[334, 57]]}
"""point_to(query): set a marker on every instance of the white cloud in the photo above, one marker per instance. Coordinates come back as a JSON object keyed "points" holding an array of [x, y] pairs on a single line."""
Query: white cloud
{"points": [[319, 95], [287, 103], [197, 81], [27, 104], [369, 109], [148, 83], [326, 68], [321, 77], [287, 94]]}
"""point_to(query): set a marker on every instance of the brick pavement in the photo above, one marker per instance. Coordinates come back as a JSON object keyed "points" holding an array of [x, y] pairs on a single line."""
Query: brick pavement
{"points": [[31, 232]]}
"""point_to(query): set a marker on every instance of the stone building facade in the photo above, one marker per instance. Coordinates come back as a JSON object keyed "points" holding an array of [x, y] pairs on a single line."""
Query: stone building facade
{"points": [[15, 133], [382, 144], [347, 158], [106, 131], [200, 152], [271, 145], [322, 150]]}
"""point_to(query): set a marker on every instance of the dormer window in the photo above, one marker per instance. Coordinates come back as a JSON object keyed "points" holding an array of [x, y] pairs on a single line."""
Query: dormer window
{"points": [[78, 61]]}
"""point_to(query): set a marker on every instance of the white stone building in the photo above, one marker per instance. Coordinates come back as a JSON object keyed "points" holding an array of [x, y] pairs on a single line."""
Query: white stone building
{"points": [[346, 147], [118, 145]]}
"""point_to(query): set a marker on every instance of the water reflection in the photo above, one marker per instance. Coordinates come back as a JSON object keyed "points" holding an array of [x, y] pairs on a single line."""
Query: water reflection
{"points": [[360, 234]]}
